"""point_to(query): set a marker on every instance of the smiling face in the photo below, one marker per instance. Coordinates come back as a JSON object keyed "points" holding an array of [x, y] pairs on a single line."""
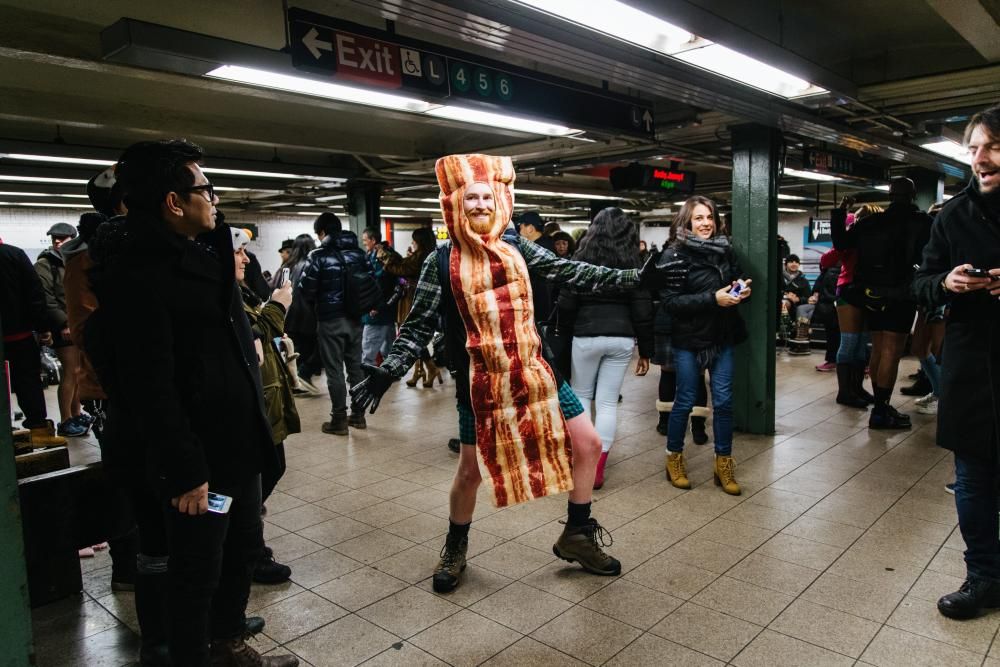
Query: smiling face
{"points": [[702, 222], [985, 153], [479, 207]]}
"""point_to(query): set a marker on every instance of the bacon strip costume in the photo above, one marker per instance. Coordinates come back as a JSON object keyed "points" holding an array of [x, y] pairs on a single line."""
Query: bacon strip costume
{"points": [[522, 442]]}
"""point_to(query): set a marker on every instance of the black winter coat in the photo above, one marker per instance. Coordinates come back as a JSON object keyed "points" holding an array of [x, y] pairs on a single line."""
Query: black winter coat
{"points": [[799, 286], [322, 282], [174, 349], [965, 231], [626, 314], [698, 321], [300, 319], [888, 245], [22, 301]]}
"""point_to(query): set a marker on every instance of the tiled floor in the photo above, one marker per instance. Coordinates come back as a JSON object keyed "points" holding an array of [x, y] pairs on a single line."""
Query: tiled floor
{"points": [[835, 553]]}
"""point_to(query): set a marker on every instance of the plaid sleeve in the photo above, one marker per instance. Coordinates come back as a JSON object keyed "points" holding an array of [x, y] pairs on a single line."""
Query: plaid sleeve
{"points": [[418, 329], [550, 266]]}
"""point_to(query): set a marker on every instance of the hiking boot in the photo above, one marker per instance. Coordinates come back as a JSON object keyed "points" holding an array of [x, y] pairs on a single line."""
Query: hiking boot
{"points": [[236, 653], [337, 424], [269, 571], [725, 475], [676, 472], [599, 476], [974, 595], [582, 544], [698, 434], [451, 565], [357, 420], [885, 420], [45, 436]]}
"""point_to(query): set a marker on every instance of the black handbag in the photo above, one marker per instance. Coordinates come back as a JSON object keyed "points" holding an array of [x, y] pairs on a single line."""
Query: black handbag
{"points": [[557, 344]]}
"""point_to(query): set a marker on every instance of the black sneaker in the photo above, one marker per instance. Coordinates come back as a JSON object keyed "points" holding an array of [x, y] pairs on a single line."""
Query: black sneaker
{"points": [[269, 571], [899, 415], [451, 565], [880, 421], [974, 595], [582, 544]]}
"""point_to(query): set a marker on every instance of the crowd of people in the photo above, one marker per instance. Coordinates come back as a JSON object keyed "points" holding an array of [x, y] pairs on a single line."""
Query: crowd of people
{"points": [[192, 409]]}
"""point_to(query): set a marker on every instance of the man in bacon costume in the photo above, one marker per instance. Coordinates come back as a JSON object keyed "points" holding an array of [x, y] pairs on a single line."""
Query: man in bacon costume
{"points": [[524, 429]]}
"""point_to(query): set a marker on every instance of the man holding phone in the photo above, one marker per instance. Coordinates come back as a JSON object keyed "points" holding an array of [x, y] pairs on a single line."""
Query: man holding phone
{"points": [[961, 267]]}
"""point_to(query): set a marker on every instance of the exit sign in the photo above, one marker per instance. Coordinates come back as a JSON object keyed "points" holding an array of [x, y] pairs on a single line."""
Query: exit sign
{"points": [[653, 179]]}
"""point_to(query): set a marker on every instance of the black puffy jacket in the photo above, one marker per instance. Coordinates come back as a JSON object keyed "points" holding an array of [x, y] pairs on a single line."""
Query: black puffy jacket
{"points": [[322, 282], [22, 301], [627, 314], [698, 321]]}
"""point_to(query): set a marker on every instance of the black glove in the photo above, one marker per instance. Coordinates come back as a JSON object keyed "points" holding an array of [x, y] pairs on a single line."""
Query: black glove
{"points": [[370, 390]]}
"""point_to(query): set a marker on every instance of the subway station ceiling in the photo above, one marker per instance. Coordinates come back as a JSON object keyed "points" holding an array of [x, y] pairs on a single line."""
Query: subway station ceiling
{"points": [[887, 78]]}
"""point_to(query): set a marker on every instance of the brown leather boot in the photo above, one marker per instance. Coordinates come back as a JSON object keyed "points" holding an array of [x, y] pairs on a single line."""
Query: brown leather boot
{"points": [[725, 475], [45, 436], [418, 374], [676, 472], [236, 653]]}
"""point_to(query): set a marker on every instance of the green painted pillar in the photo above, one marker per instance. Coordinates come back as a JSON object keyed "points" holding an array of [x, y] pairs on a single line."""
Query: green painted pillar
{"points": [[756, 165], [929, 184], [15, 616], [363, 206]]}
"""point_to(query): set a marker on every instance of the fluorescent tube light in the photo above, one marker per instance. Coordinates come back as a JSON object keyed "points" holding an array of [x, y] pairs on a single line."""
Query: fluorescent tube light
{"points": [[810, 175], [41, 179], [39, 204], [564, 195], [220, 188], [267, 174], [780, 196], [748, 71], [333, 198], [500, 120], [791, 210], [883, 188], [949, 148], [333, 91], [40, 194], [409, 208], [57, 159]]}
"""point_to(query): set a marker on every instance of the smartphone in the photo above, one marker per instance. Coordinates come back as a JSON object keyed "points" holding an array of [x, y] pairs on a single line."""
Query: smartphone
{"points": [[218, 503], [284, 276], [978, 273], [738, 287]]}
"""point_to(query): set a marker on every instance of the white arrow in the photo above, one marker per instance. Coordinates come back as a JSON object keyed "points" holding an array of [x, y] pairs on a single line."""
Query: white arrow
{"points": [[315, 44], [647, 119], [815, 232]]}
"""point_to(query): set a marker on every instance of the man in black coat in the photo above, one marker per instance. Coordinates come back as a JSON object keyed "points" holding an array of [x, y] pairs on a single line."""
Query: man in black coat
{"points": [[176, 353], [965, 240]]}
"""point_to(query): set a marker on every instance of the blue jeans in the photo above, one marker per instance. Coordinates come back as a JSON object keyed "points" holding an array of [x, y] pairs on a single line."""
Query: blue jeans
{"points": [[976, 499], [374, 339], [688, 377]]}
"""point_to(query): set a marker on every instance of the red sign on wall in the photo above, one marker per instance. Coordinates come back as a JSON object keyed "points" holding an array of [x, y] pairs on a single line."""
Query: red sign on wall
{"points": [[367, 60]]}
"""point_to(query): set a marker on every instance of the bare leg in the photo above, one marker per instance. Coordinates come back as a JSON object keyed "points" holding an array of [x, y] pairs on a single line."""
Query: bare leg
{"points": [[586, 446], [462, 501], [891, 349], [69, 357]]}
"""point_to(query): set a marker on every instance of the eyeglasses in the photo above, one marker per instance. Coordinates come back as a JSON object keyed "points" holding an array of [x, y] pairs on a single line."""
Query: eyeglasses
{"points": [[208, 189]]}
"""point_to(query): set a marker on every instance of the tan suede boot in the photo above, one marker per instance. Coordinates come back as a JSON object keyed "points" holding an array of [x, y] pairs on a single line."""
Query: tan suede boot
{"points": [[418, 374], [676, 472], [45, 436], [725, 475]]}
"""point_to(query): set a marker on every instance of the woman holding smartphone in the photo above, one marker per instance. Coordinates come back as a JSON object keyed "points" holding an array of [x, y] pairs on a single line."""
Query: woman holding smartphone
{"points": [[706, 327]]}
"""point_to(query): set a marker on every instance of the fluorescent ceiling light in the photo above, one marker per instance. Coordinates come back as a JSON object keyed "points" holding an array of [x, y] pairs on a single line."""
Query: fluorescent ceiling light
{"points": [[946, 197], [54, 158], [791, 210], [39, 204], [501, 120], [782, 196], [39, 194], [883, 188], [564, 195], [949, 148], [811, 175], [748, 71], [409, 208], [220, 188], [267, 174], [40, 179], [333, 198]]}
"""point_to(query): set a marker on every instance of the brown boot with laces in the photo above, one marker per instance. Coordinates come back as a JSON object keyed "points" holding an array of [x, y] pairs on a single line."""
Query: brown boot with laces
{"points": [[451, 565], [582, 544], [236, 653], [725, 475], [676, 472]]}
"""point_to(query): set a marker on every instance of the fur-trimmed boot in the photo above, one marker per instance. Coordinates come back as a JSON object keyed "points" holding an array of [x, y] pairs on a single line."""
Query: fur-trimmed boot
{"points": [[664, 408]]}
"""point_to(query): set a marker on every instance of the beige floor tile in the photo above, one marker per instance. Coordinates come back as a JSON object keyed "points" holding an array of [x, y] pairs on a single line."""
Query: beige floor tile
{"points": [[279, 502], [782, 500], [743, 600], [950, 562], [298, 615], [408, 612], [343, 643], [336, 530], [701, 552], [530, 653], [418, 528], [271, 531], [774, 574], [859, 598], [404, 654], [121, 605], [263, 596], [450, 640], [800, 551], [349, 501], [841, 511], [476, 583], [899, 525], [512, 559], [521, 607], [382, 514], [654, 651], [294, 478], [806, 486], [877, 568], [921, 617], [825, 532], [586, 635], [373, 547], [632, 604], [932, 585], [320, 567], [412, 565], [300, 517], [567, 580], [291, 546], [761, 516], [896, 648], [425, 500], [706, 631], [312, 492], [359, 588], [771, 649], [672, 577], [361, 477], [829, 628], [391, 488], [913, 551]]}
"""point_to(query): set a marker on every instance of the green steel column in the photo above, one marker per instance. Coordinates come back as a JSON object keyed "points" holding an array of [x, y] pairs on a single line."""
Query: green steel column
{"points": [[15, 617], [756, 157]]}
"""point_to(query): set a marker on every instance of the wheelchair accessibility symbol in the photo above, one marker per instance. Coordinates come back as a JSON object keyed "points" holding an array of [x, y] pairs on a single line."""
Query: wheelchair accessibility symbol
{"points": [[411, 62]]}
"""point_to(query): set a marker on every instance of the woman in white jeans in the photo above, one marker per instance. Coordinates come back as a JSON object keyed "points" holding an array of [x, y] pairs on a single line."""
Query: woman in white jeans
{"points": [[606, 326]]}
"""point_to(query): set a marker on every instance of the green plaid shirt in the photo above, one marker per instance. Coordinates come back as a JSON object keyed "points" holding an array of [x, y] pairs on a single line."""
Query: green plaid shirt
{"points": [[418, 330]]}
